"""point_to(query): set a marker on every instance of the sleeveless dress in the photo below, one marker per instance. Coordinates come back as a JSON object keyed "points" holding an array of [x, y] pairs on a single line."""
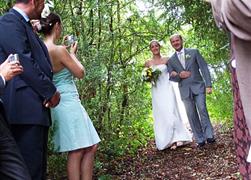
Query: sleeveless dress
{"points": [[73, 128], [168, 125]]}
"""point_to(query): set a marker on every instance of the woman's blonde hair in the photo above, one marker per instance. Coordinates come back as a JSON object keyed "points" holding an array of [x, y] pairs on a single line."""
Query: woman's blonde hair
{"points": [[152, 41]]}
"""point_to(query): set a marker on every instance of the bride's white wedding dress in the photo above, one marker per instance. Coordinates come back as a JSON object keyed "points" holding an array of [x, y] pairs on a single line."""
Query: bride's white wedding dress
{"points": [[168, 125]]}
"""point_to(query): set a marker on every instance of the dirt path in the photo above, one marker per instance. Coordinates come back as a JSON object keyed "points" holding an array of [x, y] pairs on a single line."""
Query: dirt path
{"points": [[216, 161]]}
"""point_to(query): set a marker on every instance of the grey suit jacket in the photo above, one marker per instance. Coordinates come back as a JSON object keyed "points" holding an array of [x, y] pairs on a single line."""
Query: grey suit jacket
{"points": [[200, 76]]}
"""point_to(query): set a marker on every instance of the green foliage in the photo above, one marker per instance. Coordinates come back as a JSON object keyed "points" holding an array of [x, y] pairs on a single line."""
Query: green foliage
{"points": [[220, 102], [5, 5], [57, 166]]}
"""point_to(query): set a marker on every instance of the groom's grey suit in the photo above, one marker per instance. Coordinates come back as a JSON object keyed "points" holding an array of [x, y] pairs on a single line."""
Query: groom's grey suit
{"points": [[192, 91]]}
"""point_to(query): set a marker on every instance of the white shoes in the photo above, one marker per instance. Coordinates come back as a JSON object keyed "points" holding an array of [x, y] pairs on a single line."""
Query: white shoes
{"points": [[173, 147], [179, 143]]}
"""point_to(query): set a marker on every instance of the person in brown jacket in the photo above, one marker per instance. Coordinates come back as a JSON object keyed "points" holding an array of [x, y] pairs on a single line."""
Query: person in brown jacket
{"points": [[234, 16]]}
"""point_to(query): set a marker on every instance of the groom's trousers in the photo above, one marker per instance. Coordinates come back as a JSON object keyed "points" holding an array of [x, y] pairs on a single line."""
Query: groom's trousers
{"points": [[12, 165], [198, 117]]}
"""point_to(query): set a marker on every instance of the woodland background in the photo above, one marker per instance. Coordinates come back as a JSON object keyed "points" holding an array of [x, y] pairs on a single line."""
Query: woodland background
{"points": [[113, 38]]}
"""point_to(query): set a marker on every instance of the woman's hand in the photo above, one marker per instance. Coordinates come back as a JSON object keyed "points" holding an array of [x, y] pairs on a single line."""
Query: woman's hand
{"points": [[185, 74], [64, 42], [74, 48], [209, 90], [36, 26], [173, 74]]}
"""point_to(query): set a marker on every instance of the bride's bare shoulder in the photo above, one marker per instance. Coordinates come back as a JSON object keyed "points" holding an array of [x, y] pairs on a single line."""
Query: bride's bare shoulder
{"points": [[148, 62]]}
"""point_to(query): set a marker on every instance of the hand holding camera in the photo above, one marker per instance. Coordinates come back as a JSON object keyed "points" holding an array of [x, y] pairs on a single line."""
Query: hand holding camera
{"points": [[70, 41], [13, 59], [74, 48], [11, 67]]}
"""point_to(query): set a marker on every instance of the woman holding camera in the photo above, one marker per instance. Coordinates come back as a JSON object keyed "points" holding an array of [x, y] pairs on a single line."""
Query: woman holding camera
{"points": [[74, 131]]}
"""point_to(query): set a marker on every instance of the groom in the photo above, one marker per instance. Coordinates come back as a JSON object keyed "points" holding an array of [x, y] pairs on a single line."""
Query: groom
{"points": [[188, 68]]}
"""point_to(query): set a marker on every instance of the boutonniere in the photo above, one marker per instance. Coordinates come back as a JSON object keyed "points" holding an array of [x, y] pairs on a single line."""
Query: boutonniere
{"points": [[187, 56]]}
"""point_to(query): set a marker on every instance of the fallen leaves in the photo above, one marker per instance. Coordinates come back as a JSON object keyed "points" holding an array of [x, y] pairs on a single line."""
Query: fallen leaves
{"points": [[214, 161]]}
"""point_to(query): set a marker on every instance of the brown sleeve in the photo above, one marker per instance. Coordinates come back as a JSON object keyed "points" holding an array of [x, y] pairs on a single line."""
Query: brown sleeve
{"points": [[234, 15]]}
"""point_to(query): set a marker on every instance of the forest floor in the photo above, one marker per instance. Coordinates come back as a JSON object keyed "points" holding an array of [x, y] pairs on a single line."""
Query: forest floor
{"points": [[213, 161]]}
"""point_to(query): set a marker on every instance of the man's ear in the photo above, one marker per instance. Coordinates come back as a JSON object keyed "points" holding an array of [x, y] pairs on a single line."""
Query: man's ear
{"points": [[32, 2], [57, 24]]}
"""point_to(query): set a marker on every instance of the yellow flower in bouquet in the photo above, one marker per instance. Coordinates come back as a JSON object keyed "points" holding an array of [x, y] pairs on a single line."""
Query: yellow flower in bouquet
{"points": [[151, 75]]}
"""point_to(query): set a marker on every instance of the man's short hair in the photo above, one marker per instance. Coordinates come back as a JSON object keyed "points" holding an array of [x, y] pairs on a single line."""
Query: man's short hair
{"points": [[176, 35], [22, 1]]}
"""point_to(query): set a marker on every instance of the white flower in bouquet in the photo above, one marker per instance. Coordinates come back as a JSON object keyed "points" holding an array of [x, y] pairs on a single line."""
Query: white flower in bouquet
{"points": [[144, 73]]}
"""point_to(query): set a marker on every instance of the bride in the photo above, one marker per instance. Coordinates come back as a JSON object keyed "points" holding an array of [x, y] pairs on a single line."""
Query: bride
{"points": [[169, 129]]}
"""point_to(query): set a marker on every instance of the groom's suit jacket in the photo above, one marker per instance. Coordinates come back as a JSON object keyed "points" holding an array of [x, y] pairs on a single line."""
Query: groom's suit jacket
{"points": [[200, 76], [24, 95]]}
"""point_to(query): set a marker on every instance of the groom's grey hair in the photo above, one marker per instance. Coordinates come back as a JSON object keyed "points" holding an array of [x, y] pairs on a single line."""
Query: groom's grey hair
{"points": [[174, 35]]}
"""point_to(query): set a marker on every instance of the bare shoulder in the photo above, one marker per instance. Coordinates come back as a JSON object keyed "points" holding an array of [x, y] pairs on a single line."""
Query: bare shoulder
{"points": [[61, 49], [61, 52], [148, 62], [53, 49], [58, 53]]}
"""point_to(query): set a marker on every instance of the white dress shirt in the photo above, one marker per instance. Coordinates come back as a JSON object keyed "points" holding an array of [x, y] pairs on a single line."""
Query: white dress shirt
{"points": [[181, 56]]}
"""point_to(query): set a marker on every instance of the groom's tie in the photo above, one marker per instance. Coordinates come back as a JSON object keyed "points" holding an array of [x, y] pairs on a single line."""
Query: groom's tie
{"points": [[181, 56]]}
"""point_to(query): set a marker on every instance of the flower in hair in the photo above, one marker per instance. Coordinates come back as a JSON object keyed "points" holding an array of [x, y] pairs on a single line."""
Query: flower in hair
{"points": [[46, 11]]}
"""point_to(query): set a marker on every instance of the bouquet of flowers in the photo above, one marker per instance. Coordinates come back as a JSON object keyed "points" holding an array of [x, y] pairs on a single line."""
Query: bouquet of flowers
{"points": [[151, 75]]}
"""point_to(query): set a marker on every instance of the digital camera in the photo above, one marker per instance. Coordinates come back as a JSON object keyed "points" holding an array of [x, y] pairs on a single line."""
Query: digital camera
{"points": [[71, 39], [13, 58]]}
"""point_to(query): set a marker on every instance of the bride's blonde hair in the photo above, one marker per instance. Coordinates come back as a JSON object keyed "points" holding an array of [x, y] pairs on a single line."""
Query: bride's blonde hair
{"points": [[154, 41]]}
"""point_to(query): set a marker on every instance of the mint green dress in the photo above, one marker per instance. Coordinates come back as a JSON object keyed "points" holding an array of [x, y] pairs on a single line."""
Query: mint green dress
{"points": [[73, 129]]}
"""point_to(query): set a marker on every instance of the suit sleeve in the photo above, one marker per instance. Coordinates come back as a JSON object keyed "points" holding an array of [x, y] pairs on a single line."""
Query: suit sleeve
{"points": [[203, 68], [2, 84], [171, 69], [13, 39], [236, 15]]}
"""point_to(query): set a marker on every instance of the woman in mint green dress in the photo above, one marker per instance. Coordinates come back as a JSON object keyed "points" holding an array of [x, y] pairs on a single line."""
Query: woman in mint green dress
{"points": [[74, 131]]}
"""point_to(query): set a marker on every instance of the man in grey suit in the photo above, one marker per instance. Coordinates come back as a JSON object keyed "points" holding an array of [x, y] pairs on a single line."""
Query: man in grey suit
{"points": [[189, 69]]}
